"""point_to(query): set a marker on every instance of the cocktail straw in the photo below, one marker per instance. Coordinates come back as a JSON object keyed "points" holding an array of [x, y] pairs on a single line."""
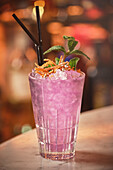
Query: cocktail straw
{"points": [[25, 29], [38, 54], [39, 34], [31, 36]]}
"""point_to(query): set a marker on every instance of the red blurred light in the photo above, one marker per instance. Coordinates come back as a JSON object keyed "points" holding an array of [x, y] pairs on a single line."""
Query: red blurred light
{"points": [[94, 13]]}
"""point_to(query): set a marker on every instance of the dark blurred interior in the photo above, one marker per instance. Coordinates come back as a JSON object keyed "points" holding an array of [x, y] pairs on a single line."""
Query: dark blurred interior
{"points": [[89, 21]]}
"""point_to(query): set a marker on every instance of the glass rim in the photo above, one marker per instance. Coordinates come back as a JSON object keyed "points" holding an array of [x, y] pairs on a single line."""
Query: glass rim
{"points": [[78, 78]]}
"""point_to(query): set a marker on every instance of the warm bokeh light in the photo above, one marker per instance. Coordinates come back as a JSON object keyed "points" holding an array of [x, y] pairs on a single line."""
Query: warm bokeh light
{"points": [[24, 13], [54, 27], [3, 61], [41, 10], [6, 16], [94, 13], [39, 3], [56, 40], [21, 13], [75, 10], [87, 4], [66, 31], [85, 32]]}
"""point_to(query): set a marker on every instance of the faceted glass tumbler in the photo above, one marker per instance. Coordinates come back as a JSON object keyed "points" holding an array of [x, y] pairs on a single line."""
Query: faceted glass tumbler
{"points": [[56, 106]]}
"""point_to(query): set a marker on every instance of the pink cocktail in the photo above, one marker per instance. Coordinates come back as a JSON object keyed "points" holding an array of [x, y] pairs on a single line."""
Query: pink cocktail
{"points": [[56, 106]]}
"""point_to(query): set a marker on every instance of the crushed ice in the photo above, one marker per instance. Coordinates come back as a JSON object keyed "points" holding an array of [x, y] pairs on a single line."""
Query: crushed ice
{"points": [[61, 75]]}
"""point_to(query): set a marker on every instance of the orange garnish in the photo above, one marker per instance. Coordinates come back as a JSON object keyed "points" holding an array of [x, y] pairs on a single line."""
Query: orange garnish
{"points": [[51, 71], [60, 59], [79, 71], [49, 61], [36, 65], [40, 69], [44, 70]]}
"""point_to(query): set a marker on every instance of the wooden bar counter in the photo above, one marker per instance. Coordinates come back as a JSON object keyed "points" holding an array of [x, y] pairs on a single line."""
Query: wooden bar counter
{"points": [[94, 149]]}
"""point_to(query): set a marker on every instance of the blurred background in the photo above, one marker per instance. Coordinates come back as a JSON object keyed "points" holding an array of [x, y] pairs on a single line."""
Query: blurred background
{"points": [[89, 21]]}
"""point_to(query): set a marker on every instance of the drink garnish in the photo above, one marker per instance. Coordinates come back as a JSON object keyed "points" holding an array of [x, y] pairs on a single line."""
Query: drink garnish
{"points": [[50, 67], [71, 48]]}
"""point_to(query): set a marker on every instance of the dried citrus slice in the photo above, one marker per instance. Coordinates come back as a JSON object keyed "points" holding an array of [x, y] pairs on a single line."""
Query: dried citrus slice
{"points": [[39, 3]]}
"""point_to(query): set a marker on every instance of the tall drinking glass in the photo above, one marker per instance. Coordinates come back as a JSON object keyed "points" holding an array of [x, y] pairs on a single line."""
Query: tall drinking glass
{"points": [[56, 106]]}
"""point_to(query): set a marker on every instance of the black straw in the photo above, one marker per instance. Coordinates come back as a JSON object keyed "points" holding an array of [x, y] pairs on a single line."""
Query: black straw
{"points": [[38, 54], [38, 47], [39, 35], [25, 29]]}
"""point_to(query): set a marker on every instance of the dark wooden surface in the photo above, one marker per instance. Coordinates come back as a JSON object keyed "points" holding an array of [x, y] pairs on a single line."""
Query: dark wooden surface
{"points": [[94, 150]]}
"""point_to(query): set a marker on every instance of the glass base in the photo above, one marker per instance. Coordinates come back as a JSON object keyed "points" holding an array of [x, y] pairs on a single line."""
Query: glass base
{"points": [[58, 156]]}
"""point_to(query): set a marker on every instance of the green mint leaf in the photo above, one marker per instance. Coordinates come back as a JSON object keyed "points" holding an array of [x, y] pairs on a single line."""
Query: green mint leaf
{"points": [[68, 38], [78, 52], [73, 62], [72, 44], [55, 48], [57, 60]]}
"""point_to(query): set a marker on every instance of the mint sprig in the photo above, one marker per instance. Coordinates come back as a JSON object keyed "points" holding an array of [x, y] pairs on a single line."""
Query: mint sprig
{"points": [[71, 50]]}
